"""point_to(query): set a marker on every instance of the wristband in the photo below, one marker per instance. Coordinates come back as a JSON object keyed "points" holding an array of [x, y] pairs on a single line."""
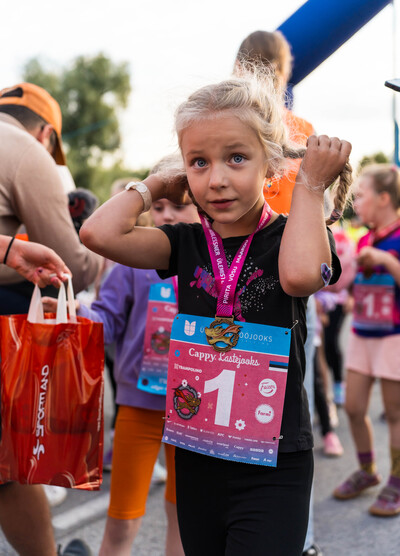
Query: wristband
{"points": [[143, 191], [8, 250]]}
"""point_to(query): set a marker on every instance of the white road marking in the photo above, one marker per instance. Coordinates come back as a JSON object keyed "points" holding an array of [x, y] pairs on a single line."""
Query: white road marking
{"points": [[82, 513]]}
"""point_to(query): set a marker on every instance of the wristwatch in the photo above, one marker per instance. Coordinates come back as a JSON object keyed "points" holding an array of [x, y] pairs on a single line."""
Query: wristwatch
{"points": [[143, 191]]}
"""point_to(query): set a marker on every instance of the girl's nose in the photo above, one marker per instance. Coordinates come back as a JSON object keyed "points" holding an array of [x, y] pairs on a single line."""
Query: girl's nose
{"points": [[167, 214], [217, 176]]}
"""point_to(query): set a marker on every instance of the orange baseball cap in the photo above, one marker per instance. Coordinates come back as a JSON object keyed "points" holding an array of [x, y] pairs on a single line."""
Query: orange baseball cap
{"points": [[43, 104]]}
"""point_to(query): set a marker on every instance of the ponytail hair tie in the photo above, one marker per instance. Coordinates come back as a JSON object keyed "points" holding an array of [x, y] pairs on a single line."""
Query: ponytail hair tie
{"points": [[336, 215]]}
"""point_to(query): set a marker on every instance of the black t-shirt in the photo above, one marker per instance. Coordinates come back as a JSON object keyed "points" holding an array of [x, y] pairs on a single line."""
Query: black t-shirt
{"points": [[259, 299]]}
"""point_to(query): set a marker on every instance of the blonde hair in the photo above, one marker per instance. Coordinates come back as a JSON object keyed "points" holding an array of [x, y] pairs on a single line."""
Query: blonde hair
{"points": [[385, 179], [256, 101]]}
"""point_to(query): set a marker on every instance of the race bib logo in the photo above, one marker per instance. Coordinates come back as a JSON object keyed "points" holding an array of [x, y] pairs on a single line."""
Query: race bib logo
{"points": [[267, 387], [186, 401], [264, 413], [190, 328], [165, 292]]}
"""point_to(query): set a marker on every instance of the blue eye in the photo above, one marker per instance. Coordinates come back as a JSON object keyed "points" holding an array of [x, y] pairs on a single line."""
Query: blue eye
{"points": [[199, 163], [237, 158]]}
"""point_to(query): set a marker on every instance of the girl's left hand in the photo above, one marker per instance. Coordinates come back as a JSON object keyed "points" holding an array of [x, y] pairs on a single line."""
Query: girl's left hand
{"points": [[325, 158]]}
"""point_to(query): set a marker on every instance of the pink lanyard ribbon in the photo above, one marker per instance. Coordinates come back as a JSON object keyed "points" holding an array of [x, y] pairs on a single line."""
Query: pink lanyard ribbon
{"points": [[376, 237], [226, 278], [175, 286]]}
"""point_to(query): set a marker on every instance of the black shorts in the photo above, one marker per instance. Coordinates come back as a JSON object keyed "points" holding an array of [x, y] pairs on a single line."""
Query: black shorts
{"points": [[235, 509]]}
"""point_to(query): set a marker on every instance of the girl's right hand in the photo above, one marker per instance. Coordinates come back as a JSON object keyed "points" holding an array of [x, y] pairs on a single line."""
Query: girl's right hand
{"points": [[169, 180]]}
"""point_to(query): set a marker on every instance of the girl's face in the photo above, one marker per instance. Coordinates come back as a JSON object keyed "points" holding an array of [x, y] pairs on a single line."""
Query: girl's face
{"points": [[165, 212], [226, 168], [366, 202]]}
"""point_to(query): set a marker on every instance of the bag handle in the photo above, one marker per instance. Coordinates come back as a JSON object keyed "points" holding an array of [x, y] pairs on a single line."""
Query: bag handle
{"points": [[65, 301]]}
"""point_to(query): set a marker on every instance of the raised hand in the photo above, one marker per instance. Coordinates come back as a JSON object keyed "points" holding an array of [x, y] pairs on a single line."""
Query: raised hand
{"points": [[323, 161]]}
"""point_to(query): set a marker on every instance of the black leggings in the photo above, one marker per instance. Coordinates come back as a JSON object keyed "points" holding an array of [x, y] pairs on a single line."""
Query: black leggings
{"points": [[228, 508], [321, 403], [333, 352]]}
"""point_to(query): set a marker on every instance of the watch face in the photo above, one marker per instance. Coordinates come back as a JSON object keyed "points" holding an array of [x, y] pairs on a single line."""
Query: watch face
{"points": [[141, 187]]}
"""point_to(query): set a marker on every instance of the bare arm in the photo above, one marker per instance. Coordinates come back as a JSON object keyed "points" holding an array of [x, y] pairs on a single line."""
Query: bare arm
{"points": [[305, 244], [111, 230], [369, 257]]}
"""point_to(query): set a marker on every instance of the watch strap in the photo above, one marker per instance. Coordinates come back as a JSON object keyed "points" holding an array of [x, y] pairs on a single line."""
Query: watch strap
{"points": [[143, 191]]}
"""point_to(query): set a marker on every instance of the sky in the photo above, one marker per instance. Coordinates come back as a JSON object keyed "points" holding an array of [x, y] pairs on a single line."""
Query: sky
{"points": [[173, 47]]}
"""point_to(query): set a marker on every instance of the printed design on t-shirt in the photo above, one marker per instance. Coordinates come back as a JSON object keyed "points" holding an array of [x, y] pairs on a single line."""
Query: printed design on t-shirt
{"points": [[253, 285], [186, 401]]}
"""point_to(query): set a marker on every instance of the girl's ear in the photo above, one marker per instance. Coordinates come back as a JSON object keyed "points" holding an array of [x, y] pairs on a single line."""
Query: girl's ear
{"points": [[384, 198]]}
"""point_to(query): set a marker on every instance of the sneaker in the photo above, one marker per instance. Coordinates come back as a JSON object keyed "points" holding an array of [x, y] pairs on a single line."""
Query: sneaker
{"points": [[357, 482], [388, 502], [76, 548], [339, 393], [55, 495], [159, 474], [332, 445], [107, 460], [314, 550]]}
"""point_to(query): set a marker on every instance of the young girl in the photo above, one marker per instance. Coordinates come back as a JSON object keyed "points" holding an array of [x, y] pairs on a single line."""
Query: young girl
{"points": [[232, 137], [373, 350]]}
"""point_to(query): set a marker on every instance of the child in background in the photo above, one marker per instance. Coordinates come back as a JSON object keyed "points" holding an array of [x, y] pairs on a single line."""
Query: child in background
{"points": [[271, 50], [325, 301], [335, 316], [373, 350], [232, 136]]}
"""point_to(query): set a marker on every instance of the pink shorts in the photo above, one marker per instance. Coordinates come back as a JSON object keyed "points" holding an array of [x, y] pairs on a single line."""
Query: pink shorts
{"points": [[375, 357]]}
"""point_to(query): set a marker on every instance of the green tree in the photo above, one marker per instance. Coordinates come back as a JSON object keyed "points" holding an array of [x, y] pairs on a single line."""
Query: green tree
{"points": [[376, 158], [92, 92]]}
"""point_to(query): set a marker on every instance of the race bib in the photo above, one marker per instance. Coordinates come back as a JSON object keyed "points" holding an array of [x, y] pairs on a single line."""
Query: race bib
{"points": [[161, 311], [226, 404], [374, 302]]}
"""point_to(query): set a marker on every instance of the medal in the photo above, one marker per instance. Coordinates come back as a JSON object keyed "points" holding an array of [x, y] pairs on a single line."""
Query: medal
{"points": [[217, 334]]}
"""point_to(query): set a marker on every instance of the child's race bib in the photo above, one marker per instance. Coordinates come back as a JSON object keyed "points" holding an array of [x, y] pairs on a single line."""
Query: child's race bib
{"points": [[226, 402], [374, 302], [161, 311]]}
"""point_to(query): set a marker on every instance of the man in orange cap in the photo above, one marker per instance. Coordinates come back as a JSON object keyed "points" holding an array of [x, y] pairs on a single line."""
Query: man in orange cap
{"points": [[32, 195]]}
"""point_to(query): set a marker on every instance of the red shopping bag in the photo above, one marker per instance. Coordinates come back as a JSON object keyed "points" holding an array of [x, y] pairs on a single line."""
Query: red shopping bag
{"points": [[51, 398]]}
